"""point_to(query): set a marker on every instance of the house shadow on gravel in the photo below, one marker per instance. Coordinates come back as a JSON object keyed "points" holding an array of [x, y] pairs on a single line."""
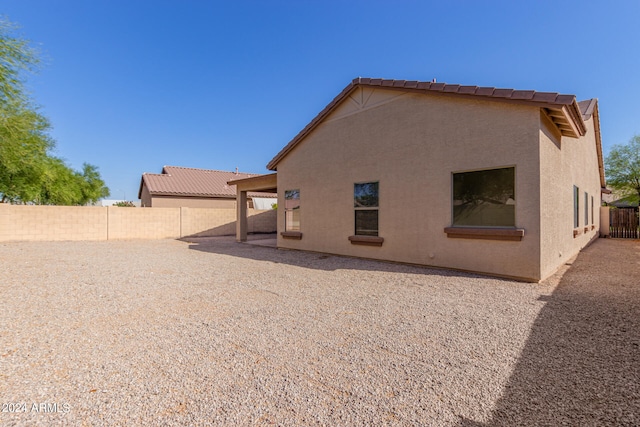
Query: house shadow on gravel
{"points": [[226, 245], [581, 363]]}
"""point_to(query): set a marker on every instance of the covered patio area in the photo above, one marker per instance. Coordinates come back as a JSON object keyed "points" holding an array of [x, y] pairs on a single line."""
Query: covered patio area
{"points": [[263, 183]]}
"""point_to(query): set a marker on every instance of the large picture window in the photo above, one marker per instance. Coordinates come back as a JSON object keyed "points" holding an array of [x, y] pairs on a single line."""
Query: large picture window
{"points": [[365, 197], [292, 210], [484, 198]]}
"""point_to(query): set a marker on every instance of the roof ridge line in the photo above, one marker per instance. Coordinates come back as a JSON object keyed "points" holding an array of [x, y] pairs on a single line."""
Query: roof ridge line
{"points": [[209, 170]]}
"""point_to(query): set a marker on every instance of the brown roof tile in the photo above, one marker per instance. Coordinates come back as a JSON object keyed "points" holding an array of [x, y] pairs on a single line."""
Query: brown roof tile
{"points": [[565, 99], [451, 88], [549, 97], [471, 90], [503, 93], [192, 182], [522, 94], [587, 107], [485, 91]]}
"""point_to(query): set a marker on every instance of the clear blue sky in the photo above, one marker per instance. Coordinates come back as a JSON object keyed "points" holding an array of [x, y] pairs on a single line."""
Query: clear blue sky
{"points": [[133, 85]]}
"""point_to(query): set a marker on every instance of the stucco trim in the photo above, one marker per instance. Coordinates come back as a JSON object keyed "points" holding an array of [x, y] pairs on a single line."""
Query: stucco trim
{"points": [[509, 234], [291, 235], [366, 240]]}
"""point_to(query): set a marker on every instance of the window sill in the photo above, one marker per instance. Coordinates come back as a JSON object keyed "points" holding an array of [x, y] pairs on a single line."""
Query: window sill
{"points": [[577, 232], [366, 240], [296, 235], [509, 234]]}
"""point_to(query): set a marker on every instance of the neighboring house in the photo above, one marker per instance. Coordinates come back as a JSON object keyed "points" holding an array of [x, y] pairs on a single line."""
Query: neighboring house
{"points": [[498, 181], [197, 188], [624, 204]]}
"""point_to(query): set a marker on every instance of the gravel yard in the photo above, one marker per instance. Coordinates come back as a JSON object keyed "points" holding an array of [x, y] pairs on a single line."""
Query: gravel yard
{"points": [[211, 332]]}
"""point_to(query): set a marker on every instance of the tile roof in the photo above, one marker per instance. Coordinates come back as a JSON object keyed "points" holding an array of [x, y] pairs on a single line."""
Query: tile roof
{"points": [[587, 107], [192, 182], [563, 110]]}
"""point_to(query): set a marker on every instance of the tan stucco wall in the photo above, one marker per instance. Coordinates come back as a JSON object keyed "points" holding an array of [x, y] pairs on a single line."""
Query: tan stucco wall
{"points": [[145, 197], [47, 223], [565, 162], [412, 144], [605, 229]]}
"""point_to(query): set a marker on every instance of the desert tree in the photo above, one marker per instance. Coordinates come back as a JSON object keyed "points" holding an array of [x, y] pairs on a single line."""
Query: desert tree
{"points": [[622, 166], [28, 172]]}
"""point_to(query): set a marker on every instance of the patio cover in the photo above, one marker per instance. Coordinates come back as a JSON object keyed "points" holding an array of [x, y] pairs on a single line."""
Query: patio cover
{"points": [[263, 183]]}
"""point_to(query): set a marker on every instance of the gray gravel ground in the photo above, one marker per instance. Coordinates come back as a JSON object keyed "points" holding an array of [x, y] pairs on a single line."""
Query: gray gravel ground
{"points": [[210, 332]]}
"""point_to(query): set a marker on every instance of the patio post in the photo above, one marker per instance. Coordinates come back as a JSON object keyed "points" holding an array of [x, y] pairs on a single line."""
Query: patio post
{"points": [[241, 217]]}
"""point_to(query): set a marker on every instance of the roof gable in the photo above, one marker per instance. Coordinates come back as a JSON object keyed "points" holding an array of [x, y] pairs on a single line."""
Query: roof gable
{"points": [[563, 110], [192, 182]]}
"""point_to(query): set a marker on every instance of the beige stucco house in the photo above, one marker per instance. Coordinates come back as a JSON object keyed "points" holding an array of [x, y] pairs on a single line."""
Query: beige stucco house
{"points": [[197, 188], [498, 181]]}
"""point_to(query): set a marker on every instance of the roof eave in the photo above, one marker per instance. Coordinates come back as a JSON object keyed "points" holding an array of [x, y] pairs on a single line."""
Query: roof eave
{"points": [[563, 109], [596, 127], [140, 188]]}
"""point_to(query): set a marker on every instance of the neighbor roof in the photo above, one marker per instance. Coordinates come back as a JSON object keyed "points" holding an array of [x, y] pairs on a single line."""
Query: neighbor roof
{"points": [[563, 110], [192, 182]]}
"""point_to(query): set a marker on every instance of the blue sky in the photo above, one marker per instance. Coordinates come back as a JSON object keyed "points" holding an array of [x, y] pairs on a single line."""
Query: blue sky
{"points": [[133, 85]]}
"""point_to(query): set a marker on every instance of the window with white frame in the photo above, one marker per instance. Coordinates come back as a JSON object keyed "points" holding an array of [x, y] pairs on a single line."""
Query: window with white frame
{"points": [[292, 210], [365, 203]]}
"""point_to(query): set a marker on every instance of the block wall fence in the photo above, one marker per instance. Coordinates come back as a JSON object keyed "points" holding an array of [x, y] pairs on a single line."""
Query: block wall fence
{"points": [[31, 223]]}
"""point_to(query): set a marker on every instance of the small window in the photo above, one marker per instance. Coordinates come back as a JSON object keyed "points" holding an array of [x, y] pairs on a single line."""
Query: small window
{"points": [[365, 197], [576, 207], [586, 208], [292, 210], [592, 221], [484, 198]]}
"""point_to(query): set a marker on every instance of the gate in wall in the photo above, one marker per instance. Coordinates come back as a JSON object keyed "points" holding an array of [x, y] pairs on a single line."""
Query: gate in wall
{"points": [[623, 223]]}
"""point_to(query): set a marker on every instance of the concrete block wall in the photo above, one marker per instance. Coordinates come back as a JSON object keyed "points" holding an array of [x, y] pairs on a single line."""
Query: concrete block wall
{"points": [[29, 223], [207, 222], [153, 223], [261, 221]]}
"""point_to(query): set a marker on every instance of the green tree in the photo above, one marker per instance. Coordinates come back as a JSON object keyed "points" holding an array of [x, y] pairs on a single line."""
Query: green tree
{"points": [[28, 173], [62, 186], [24, 144], [16, 56], [622, 167], [92, 187]]}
